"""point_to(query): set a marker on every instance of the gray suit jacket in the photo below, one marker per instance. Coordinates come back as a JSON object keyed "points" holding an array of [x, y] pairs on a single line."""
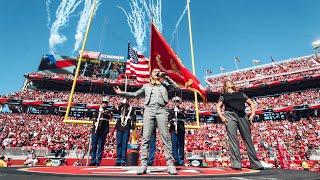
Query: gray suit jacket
{"points": [[146, 89]]}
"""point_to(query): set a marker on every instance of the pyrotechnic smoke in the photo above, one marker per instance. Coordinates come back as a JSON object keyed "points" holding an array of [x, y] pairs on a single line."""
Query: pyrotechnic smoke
{"points": [[137, 23], [62, 18], [82, 23], [137, 19], [48, 13], [154, 11], [177, 25]]}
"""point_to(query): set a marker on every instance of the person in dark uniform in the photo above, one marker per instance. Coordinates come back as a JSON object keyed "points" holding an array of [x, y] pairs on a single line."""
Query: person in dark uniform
{"points": [[99, 132], [235, 118], [177, 117], [126, 122]]}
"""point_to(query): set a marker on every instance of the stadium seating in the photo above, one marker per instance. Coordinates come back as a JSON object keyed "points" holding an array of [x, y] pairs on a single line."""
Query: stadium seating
{"points": [[267, 74]]}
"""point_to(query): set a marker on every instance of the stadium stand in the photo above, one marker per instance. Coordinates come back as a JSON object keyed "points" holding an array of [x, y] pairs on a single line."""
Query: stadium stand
{"points": [[286, 131]]}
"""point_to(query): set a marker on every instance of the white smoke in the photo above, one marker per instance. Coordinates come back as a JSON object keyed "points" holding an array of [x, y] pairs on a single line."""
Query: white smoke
{"points": [[48, 13], [154, 11], [62, 18], [137, 19], [177, 25], [137, 23], [82, 23]]}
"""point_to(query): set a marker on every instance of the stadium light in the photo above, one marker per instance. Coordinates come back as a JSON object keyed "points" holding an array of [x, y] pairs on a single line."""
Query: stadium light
{"points": [[316, 44]]}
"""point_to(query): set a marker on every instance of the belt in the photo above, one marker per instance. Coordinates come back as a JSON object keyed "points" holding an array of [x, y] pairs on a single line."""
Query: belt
{"points": [[237, 112], [104, 119], [179, 120]]}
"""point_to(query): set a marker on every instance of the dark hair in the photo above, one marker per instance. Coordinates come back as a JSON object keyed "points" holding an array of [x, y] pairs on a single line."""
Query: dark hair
{"points": [[224, 88]]}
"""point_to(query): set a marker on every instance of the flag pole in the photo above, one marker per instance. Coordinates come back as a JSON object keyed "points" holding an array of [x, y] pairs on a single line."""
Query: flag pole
{"points": [[150, 42], [126, 82], [235, 61], [79, 63], [193, 66]]}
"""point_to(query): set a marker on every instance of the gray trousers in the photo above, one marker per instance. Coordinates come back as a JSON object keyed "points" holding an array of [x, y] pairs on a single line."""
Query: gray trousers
{"points": [[234, 123], [160, 116]]}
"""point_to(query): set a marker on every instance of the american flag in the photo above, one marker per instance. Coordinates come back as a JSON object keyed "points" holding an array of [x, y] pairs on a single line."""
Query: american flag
{"points": [[137, 65]]}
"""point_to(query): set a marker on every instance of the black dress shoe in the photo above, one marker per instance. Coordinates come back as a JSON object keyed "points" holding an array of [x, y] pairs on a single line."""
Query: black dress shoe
{"points": [[92, 164], [259, 168], [123, 164], [237, 169], [150, 164]]}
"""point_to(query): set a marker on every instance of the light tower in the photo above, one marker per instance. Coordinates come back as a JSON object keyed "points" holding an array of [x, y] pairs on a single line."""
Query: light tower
{"points": [[316, 46]]}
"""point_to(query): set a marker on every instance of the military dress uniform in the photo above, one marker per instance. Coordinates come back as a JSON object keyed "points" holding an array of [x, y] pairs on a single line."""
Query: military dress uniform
{"points": [[99, 134], [177, 130], [124, 124]]}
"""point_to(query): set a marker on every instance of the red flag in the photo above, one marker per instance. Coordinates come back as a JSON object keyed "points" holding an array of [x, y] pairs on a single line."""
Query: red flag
{"points": [[165, 59]]}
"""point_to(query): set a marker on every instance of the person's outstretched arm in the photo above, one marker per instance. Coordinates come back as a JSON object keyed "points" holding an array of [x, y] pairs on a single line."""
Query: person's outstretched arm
{"points": [[170, 84], [129, 94]]}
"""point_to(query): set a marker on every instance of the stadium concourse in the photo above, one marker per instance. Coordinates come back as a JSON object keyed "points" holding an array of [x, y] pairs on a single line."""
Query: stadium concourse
{"points": [[286, 130]]}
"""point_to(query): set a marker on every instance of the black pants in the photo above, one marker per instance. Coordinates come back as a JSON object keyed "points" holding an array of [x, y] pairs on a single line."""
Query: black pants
{"points": [[178, 147], [97, 146]]}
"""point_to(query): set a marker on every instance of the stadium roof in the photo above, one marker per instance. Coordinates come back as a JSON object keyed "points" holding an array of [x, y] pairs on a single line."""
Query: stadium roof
{"points": [[256, 67]]}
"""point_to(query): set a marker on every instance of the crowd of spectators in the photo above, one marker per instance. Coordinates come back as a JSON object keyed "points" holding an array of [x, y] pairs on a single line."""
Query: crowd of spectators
{"points": [[31, 130], [92, 98], [307, 97], [118, 79], [300, 67], [272, 139], [289, 99]]}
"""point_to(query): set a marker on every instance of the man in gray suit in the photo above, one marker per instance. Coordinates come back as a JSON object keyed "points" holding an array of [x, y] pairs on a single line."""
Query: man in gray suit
{"points": [[155, 111]]}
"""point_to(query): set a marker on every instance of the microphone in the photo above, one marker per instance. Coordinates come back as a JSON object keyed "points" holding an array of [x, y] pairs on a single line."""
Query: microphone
{"points": [[161, 74]]}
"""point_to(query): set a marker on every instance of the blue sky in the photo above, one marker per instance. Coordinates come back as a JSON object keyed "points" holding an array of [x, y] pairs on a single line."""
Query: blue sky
{"points": [[222, 29]]}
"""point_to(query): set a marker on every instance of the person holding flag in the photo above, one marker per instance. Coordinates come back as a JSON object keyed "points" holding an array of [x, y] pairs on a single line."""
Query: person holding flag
{"points": [[177, 117], [124, 124], [100, 131]]}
